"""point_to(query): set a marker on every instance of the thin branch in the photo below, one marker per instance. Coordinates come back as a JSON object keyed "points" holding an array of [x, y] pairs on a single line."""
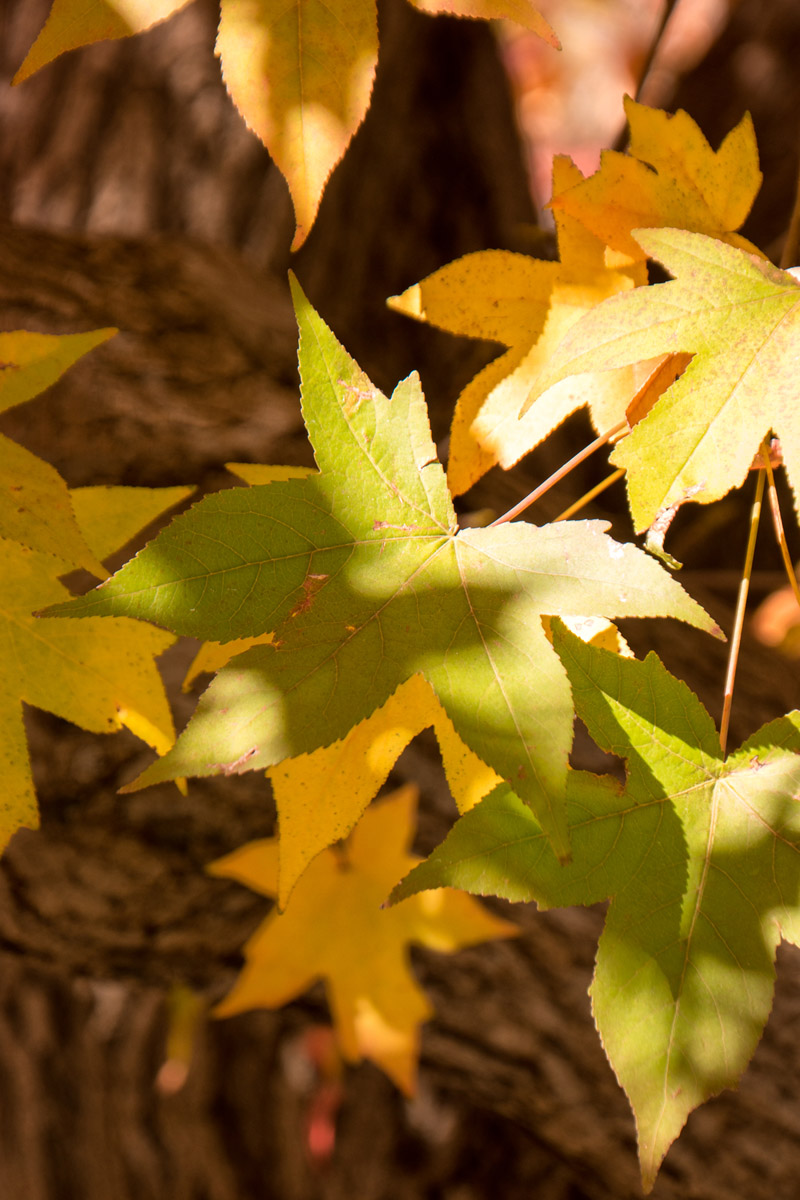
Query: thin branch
{"points": [[780, 533], [741, 604], [558, 475], [591, 494], [622, 138]]}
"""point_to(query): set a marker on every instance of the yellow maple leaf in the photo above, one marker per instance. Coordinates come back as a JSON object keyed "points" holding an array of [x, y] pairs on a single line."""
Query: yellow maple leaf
{"points": [[300, 73], [99, 674], [528, 305], [671, 177], [335, 929], [35, 505], [321, 796], [74, 23]]}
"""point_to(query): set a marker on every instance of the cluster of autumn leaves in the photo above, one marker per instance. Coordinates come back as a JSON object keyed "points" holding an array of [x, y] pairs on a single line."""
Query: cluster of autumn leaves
{"points": [[343, 611]]}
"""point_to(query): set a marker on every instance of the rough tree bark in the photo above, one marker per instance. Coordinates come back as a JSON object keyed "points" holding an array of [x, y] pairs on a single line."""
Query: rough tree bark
{"points": [[134, 197]]}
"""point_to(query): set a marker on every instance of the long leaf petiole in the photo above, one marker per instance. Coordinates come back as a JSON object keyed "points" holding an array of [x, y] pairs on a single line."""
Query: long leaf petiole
{"points": [[741, 604], [587, 497], [558, 475], [780, 533]]}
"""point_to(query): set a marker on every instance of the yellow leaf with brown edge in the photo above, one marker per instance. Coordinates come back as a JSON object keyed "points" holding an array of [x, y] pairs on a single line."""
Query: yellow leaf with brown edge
{"points": [[671, 177], [334, 928], [528, 305], [74, 23]]}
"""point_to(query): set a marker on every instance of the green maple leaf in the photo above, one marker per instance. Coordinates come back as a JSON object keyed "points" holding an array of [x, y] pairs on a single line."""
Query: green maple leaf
{"points": [[700, 856], [740, 317], [363, 579]]}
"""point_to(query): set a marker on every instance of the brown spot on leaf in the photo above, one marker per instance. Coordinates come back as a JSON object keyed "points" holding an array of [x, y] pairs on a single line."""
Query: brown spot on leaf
{"points": [[232, 767], [311, 585]]}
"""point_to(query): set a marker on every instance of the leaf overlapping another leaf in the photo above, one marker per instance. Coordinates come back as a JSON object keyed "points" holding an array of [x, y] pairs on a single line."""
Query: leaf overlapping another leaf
{"points": [[700, 857], [363, 579], [669, 176], [740, 318], [528, 305]]}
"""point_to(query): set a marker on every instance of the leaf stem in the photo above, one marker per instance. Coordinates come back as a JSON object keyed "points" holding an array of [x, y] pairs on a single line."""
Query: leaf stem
{"points": [[591, 494], [558, 475], [780, 533], [622, 139], [741, 604]]}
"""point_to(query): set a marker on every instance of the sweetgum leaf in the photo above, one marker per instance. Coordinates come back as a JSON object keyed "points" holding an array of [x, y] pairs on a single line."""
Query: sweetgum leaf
{"points": [[35, 505], [669, 176], [740, 318], [300, 73], [321, 796], [362, 577], [334, 928], [529, 305], [74, 23], [700, 856]]}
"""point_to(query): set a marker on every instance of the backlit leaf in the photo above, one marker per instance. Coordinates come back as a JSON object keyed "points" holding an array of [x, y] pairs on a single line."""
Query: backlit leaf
{"points": [[528, 305], [669, 176], [700, 856], [361, 575], [740, 318], [300, 72], [73, 23]]}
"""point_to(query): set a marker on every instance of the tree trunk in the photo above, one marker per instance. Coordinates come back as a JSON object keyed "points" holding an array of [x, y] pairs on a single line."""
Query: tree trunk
{"points": [[135, 197]]}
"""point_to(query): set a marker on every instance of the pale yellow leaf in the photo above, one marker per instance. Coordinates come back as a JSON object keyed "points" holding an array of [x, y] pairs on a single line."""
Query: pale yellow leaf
{"points": [[257, 473], [528, 305], [31, 362], [212, 656], [97, 672], [36, 510], [321, 796]]}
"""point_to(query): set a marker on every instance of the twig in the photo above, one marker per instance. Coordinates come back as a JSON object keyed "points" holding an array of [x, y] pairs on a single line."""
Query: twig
{"points": [[741, 604], [622, 138], [590, 495], [780, 533], [558, 475]]}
